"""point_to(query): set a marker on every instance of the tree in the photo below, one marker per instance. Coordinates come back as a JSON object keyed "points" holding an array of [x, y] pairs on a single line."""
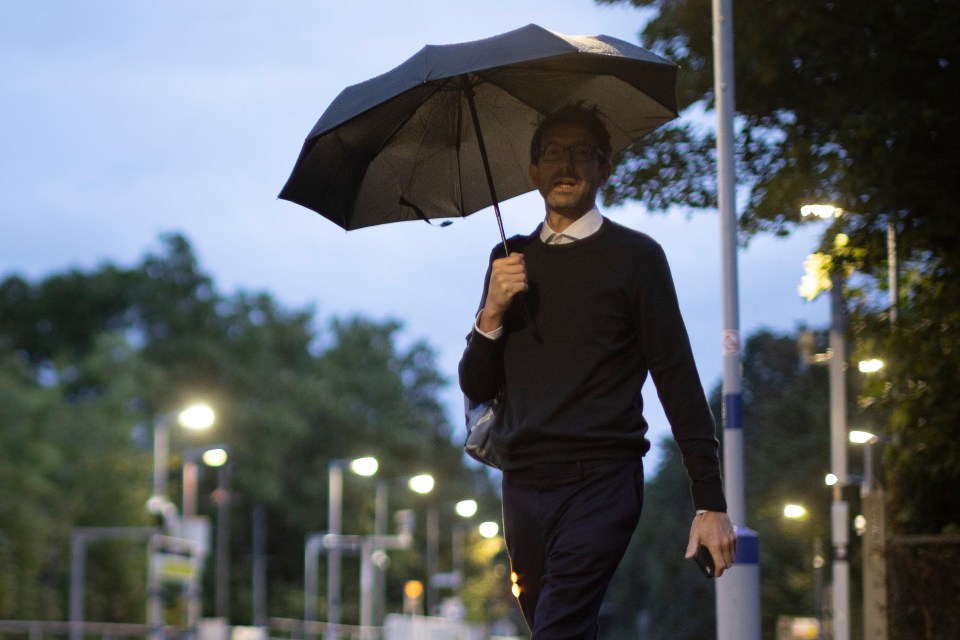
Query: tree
{"points": [[835, 106], [89, 359]]}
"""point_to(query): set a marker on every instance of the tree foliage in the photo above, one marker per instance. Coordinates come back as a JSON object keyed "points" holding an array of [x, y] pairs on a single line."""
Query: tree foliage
{"points": [[88, 360], [833, 105]]}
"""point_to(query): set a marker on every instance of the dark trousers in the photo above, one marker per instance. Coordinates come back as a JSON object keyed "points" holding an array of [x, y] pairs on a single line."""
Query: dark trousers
{"points": [[567, 527]]}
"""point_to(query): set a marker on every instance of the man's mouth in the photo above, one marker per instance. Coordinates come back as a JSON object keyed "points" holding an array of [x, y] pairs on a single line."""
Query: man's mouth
{"points": [[564, 183]]}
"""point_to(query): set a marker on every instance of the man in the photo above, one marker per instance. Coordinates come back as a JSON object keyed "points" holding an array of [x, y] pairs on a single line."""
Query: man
{"points": [[571, 322]]}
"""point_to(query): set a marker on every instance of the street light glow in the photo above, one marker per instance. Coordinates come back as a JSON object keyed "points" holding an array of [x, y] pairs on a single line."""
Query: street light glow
{"points": [[822, 211], [794, 512], [466, 508], [860, 524], [870, 366], [197, 417], [489, 529], [863, 437], [365, 466], [422, 483], [215, 457], [831, 479]]}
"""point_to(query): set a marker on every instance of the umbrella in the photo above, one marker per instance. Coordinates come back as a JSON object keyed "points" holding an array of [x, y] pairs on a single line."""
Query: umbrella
{"points": [[418, 141]]}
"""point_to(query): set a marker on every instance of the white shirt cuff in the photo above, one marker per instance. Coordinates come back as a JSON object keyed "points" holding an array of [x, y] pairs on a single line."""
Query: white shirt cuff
{"points": [[492, 335]]}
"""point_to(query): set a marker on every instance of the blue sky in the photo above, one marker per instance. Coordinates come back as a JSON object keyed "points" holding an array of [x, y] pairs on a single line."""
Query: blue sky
{"points": [[125, 120]]}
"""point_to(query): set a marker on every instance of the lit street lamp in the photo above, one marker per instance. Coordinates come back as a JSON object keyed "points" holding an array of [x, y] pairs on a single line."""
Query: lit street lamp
{"points": [[464, 509], [871, 524], [217, 458], [489, 529], [365, 466], [421, 484], [866, 439], [795, 512], [826, 211], [839, 509], [798, 512], [196, 418], [870, 366]]}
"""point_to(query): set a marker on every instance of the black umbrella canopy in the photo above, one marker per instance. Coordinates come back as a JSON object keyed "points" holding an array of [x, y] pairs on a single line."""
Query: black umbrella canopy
{"points": [[405, 146]]}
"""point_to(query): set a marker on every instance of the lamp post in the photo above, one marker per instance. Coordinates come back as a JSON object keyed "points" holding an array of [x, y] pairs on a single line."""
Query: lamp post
{"points": [[421, 484], [196, 417], [825, 211], [738, 594], [465, 509], [839, 509], [866, 439], [836, 362], [874, 543], [212, 456], [798, 513], [365, 466], [436, 579], [217, 458]]}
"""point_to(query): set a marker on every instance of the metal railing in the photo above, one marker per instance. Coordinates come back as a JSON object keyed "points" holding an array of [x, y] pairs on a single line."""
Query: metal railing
{"points": [[294, 629]]}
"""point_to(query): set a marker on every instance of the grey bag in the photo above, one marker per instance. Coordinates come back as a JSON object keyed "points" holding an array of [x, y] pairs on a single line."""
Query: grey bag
{"points": [[481, 418]]}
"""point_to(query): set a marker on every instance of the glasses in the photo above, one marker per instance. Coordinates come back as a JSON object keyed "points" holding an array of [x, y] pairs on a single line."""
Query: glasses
{"points": [[578, 152]]}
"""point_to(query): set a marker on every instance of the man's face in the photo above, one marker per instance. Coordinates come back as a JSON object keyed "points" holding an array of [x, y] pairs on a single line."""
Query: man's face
{"points": [[569, 185]]}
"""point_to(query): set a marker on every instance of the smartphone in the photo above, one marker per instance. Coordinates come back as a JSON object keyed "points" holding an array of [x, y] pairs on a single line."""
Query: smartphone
{"points": [[705, 561]]}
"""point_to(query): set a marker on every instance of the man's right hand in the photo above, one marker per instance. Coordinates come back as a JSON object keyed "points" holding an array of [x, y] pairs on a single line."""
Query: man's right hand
{"points": [[508, 277]]}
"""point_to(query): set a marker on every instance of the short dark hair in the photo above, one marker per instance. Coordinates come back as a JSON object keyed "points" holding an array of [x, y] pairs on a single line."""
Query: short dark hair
{"points": [[574, 113]]}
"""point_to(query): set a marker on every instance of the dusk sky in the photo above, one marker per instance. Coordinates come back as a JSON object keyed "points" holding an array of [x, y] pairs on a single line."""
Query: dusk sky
{"points": [[123, 121]]}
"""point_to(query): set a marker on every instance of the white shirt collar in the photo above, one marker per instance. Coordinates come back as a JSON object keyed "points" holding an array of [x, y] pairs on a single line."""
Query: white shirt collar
{"points": [[584, 226]]}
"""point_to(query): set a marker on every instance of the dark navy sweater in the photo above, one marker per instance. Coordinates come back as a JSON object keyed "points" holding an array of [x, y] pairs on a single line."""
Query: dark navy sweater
{"points": [[599, 316]]}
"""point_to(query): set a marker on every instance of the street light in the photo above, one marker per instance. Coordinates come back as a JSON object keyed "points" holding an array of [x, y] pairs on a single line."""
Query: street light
{"points": [[364, 466], [217, 457], [871, 525], [797, 512], [464, 509], [826, 211], [196, 417], [870, 366], [421, 484], [489, 529], [812, 284], [822, 211], [866, 439]]}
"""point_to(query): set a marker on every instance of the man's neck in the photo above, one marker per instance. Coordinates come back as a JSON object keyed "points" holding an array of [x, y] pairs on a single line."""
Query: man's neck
{"points": [[559, 222]]}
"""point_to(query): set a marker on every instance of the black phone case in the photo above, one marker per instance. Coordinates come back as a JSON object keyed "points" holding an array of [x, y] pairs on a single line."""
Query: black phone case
{"points": [[705, 561]]}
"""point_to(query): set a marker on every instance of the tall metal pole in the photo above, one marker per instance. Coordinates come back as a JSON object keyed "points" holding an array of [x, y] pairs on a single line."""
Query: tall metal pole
{"points": [[367, 547], [161, 451], [311, 580], [223, 542], [333, 555], [380, 529], [738, 591], [191, 474], [259, 566], [433, 542], [78, 552], [839, 510]]}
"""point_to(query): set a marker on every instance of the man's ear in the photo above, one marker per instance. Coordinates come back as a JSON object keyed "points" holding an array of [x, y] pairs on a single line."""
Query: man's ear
{"points": [[606, 170], [534, 173]]}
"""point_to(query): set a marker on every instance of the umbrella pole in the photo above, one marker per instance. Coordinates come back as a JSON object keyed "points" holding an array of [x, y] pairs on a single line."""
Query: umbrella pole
{"points": [[468, 92]]}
